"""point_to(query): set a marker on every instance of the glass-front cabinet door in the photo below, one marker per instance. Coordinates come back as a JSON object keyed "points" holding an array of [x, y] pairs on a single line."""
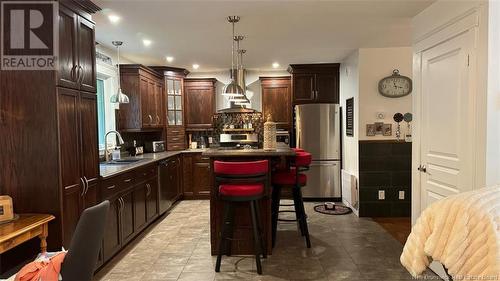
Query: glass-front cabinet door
{"points": [[174, 102]]}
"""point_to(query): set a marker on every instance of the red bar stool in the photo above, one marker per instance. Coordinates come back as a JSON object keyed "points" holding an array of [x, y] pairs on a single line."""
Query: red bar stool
{"points": [[241, 182], [296, 180]]}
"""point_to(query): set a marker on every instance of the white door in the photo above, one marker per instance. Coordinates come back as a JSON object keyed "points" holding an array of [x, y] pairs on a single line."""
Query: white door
{"points": [[447, 119]]}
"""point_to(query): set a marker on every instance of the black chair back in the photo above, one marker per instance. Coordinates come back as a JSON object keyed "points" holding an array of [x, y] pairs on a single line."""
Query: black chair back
{"points": [[81, 259]]}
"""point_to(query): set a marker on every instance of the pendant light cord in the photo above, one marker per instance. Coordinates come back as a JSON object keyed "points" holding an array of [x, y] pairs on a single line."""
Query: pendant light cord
{"points": [[118, 60]]}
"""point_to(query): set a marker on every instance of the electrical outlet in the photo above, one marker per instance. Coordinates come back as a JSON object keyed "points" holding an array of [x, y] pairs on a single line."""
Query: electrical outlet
{"points": [[381, 195], [401, 195]]}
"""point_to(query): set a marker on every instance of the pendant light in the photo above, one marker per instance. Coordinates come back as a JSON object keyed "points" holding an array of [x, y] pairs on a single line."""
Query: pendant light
{"points": [[233, 89], [119, 97], [243, 100]]}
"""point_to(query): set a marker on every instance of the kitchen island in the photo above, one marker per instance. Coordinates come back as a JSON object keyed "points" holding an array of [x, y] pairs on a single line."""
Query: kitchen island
{"points": [[243, 241]]}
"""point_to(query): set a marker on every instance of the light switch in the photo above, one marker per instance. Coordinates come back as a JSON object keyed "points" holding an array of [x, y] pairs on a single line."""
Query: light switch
{"points": [[381, 195]]}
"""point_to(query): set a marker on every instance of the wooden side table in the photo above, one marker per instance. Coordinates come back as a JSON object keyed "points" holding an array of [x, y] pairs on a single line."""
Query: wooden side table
{"points": [[26, 227]]}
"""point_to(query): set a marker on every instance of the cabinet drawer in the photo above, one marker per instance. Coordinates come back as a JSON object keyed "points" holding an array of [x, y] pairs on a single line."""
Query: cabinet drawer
{"points": [[176, 146], [143, 174], [198, 157], [112, 186], [173, 131], [175, 139]]}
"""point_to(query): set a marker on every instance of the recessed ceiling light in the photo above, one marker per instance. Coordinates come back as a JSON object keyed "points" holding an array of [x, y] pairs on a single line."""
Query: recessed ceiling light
{"points": [[146, 42], [276, 65], [196, 66], [114, 18], [170, 59]]}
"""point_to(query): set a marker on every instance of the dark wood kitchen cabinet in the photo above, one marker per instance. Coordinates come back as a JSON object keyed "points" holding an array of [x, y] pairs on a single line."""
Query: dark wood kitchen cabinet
{"points": [[77, 115], [315, 83], [173, 105], [196, 176], [170, 181], [200, 103], [277, 100], [144, 87], [52, 114], [77, 65]]}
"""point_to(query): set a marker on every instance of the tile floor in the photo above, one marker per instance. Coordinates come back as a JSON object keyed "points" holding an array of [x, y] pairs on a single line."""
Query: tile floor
{"points": [[178, 248]]}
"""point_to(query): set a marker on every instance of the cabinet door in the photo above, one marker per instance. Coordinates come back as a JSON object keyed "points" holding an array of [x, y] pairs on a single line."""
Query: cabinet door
{"points": [[86, 55], [199, 106], [69, 137], [112, 233], [72, 204], [151, 107], [201, 179], [276, 100], [147, 118], [68, 54], [303, 88], [127, 217], [152, 198], [159, 103], [187, 176], [89, 142], [140, 206], [327, 88]]}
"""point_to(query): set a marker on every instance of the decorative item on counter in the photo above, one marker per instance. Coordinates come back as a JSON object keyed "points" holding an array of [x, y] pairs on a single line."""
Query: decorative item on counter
{"points": [[6, 209], [194, 145], [398, 117], [190, 137], [408, 117], [269, 134]]}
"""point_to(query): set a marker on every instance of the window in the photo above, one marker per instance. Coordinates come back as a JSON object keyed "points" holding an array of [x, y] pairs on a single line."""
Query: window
{"points": [[101, 109]]}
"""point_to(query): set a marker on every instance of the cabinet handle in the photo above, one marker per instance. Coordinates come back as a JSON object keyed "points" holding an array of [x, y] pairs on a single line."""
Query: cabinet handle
{"points": [[148, 189], [157, 119], [72, 73], [82, 74], [127, 180], [150, 119], [111, 187], [86, 185], [175, 132], [122, 204], [83, 187]]}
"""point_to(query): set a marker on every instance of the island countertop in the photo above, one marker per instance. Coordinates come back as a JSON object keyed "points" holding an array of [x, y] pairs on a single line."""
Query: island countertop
{"points": [[216, 153]]}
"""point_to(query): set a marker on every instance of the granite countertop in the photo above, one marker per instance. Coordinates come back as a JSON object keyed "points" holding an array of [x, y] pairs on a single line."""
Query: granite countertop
{"points": [[109, 170], [214, 152]]}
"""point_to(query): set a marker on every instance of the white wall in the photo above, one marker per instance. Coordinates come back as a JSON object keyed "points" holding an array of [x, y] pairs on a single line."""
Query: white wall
{"points": [[493, 99], [349, 88], [375, 64], [251, 79]]}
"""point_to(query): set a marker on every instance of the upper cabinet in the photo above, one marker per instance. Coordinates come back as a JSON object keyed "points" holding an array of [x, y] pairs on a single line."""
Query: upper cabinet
{"points": [[144, 87], [315, 83], [200, 103], [277, 100], [77, 68], [173, 104]]}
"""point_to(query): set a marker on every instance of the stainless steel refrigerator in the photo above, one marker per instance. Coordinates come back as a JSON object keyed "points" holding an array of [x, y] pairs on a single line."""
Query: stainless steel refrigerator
{"points": [[318, 132]]}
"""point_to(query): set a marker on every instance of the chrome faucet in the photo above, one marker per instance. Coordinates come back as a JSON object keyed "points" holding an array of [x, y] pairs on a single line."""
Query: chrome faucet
{"points": [[120, 142]]}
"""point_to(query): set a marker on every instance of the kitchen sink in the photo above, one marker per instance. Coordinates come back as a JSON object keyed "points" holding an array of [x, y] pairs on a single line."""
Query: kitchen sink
{"points": [[122, 161]]}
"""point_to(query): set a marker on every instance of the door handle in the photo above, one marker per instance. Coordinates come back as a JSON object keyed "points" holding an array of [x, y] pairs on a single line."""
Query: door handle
{"points": [[83, 187], [422, 168], [86, 185]]}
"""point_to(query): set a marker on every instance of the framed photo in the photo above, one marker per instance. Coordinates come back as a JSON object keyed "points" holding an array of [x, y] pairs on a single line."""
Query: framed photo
{"points": [[387, 130], [370, 130], [379, 126]]}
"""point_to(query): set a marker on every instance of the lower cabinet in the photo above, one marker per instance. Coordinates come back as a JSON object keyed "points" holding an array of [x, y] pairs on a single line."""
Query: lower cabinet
{"points": [[196, 176], [134, 204]]}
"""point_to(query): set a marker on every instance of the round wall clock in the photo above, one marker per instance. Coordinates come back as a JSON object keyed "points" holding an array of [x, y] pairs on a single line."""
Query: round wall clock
{"points": [[395, 86]]}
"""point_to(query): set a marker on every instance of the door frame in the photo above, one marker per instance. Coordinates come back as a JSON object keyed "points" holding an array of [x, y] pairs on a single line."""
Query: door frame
{"points": [[467, 22]]}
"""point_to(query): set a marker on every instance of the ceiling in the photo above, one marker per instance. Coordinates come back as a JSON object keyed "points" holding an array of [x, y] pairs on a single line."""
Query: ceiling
{"points": [[308, 31]]}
